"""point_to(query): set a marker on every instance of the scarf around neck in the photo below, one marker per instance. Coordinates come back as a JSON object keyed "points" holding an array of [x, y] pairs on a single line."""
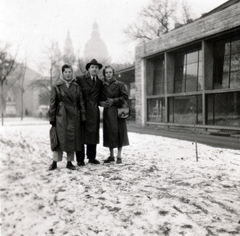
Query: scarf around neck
{"points": [[113, 79], [65, 81]]}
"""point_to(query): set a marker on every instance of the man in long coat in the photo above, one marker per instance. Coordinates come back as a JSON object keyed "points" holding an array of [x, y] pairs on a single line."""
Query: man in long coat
{"points": [[91, 87]]}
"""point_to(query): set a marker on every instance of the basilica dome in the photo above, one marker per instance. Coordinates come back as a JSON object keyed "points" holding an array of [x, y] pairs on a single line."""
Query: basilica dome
{"points": [[96, 47]]}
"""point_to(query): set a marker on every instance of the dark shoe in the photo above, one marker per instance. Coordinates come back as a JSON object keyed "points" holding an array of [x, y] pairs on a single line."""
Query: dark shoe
{"points": [[53, 166], [119, 160], [70, 166], [109, 159], [93, 161], [81, 163]]}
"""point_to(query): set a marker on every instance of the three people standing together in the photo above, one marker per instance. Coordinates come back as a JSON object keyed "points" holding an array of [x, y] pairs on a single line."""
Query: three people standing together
{"points": [[74, 111]]}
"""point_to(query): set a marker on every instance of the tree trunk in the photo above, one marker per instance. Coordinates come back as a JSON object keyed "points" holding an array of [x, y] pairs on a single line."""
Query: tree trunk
{"points": [[21, 105], [51, 78], [2, 115]]}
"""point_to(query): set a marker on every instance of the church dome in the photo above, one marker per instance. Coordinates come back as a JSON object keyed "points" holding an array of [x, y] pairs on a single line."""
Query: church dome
{"points": [[96, 47]]}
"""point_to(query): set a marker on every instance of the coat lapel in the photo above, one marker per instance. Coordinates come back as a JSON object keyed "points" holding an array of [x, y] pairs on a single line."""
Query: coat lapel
{"points": [[113, 86], [89, 81], [67, 90], [72, 90]]}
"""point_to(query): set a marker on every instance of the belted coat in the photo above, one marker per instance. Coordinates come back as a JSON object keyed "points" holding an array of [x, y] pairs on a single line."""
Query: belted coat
{"points": [[114, 129], [68, 111], [91, 95]]}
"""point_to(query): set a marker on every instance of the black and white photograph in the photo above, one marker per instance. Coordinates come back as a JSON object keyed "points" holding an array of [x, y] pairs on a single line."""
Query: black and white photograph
{"points": [[120, 118]]}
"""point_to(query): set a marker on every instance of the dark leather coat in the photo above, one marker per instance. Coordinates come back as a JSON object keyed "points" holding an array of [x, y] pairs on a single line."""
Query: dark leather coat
{"points": [[68, 111], [91, 95], [114, 129]]}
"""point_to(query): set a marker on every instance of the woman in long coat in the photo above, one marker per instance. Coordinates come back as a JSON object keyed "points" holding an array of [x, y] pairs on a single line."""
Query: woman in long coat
{"points": [[114, 95], [67, 112]]}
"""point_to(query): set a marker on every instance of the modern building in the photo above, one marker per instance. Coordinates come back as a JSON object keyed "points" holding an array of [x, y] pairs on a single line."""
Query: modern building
{"points": [[33, 93], [190, 77]]}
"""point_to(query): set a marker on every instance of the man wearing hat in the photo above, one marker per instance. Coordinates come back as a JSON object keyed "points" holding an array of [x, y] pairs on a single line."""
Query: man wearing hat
{"points": [[91, 87]]}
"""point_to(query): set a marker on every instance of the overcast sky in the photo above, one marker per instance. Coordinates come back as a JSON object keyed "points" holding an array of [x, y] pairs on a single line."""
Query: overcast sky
{"points": [[33, 24]]}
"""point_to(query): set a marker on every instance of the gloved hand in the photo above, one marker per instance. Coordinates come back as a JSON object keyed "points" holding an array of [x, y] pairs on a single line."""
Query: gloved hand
{"points": [[103, 104], [110, 102], [53, 123]]}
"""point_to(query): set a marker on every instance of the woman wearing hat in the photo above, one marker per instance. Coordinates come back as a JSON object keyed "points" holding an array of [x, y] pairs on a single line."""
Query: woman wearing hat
{"points": [[114, 95], [91, 87], [66, 112]]}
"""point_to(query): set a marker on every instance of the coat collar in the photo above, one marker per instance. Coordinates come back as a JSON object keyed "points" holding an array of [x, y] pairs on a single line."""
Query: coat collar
{"points": [[112, 84], [88, 79], [63, 86], [60, 82]]}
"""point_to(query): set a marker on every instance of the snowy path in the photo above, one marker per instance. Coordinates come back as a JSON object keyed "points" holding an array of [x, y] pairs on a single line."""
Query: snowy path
{"points": [[159, 189]]}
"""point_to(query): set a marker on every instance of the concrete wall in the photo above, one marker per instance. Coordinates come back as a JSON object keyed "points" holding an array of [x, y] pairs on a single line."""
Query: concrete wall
{"points": [[198, 30]]}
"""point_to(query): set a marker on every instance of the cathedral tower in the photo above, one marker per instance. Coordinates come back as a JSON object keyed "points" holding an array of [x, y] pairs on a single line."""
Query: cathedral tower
{"points": [[68, 55]]}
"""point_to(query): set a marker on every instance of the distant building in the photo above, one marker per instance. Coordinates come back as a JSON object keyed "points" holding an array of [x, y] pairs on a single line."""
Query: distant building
{"points": [[68, 54], [96, 48], [32, 96], [191, 75]]}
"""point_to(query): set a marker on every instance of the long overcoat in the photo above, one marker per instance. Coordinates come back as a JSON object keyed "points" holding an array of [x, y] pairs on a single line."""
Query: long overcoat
{"points": [[114, 129], [91, 95], [68, 111]]}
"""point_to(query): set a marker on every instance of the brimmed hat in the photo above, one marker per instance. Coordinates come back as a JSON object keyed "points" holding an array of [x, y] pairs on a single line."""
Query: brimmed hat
{"points": [[94, 62]]}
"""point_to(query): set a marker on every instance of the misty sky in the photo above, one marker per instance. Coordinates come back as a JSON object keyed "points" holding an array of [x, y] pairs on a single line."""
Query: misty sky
{"points": [[33, 24]]}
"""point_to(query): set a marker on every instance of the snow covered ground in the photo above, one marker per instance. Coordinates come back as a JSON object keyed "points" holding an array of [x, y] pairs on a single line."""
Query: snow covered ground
{"points": [[159, 189]]}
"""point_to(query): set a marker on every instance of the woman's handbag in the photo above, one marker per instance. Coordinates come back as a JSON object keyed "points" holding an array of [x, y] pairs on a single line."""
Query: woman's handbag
{"points": [[124, 112], [53, 138]]}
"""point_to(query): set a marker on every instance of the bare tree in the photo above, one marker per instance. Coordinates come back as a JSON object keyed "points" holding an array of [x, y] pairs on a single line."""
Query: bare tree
{"points": [[54, 57], [80, 66], [22, 90], [186, 13], [7, 66], [156, 19]]}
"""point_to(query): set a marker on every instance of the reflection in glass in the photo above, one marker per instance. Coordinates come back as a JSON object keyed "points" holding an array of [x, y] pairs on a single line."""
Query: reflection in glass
{"points": [[223, 109], [188, 67], [192, 57], [185, 110], [235, 45], [192, 70], [132, 105], [235, 62], [178, 85], [235, 79], [200, 83], [156, 110], [155, 76], [226, 63], [191, 77], [200, 69]]}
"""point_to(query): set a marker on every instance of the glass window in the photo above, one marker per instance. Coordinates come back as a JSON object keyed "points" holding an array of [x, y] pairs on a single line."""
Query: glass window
{"points": [[156, 110], [226, 63], [155, 76], [192, 57], [185, 110], [223, 109], [188, 71], [235, 79], [235, 62], [235, 46], [132, 104]]}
